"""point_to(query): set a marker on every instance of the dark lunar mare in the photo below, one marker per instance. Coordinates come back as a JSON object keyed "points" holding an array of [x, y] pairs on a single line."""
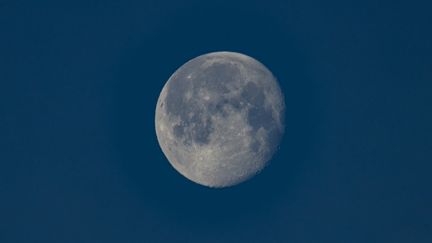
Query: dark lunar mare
{"points": [[196, 125]]}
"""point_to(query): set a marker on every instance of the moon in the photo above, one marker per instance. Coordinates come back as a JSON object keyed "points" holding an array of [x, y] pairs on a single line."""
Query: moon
{"points": [[220, 118]]}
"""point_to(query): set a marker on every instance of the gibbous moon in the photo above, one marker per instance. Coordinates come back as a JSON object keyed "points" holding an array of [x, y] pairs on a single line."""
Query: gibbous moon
{"points": [[220, 118]]}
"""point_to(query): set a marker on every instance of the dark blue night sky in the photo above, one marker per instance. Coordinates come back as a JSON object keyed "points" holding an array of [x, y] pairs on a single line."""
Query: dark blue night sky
{"points": [[79, 158]]}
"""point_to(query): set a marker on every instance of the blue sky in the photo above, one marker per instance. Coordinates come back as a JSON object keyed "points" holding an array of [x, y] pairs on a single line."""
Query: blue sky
{"points": [[79, 159]]}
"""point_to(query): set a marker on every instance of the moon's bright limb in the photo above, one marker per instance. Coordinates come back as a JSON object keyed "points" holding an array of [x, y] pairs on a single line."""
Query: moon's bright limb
{"points": [[220, 118]]}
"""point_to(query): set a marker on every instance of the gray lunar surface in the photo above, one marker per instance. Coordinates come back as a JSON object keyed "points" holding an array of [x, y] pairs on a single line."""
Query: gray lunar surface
{"points": [[220, 118]]}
